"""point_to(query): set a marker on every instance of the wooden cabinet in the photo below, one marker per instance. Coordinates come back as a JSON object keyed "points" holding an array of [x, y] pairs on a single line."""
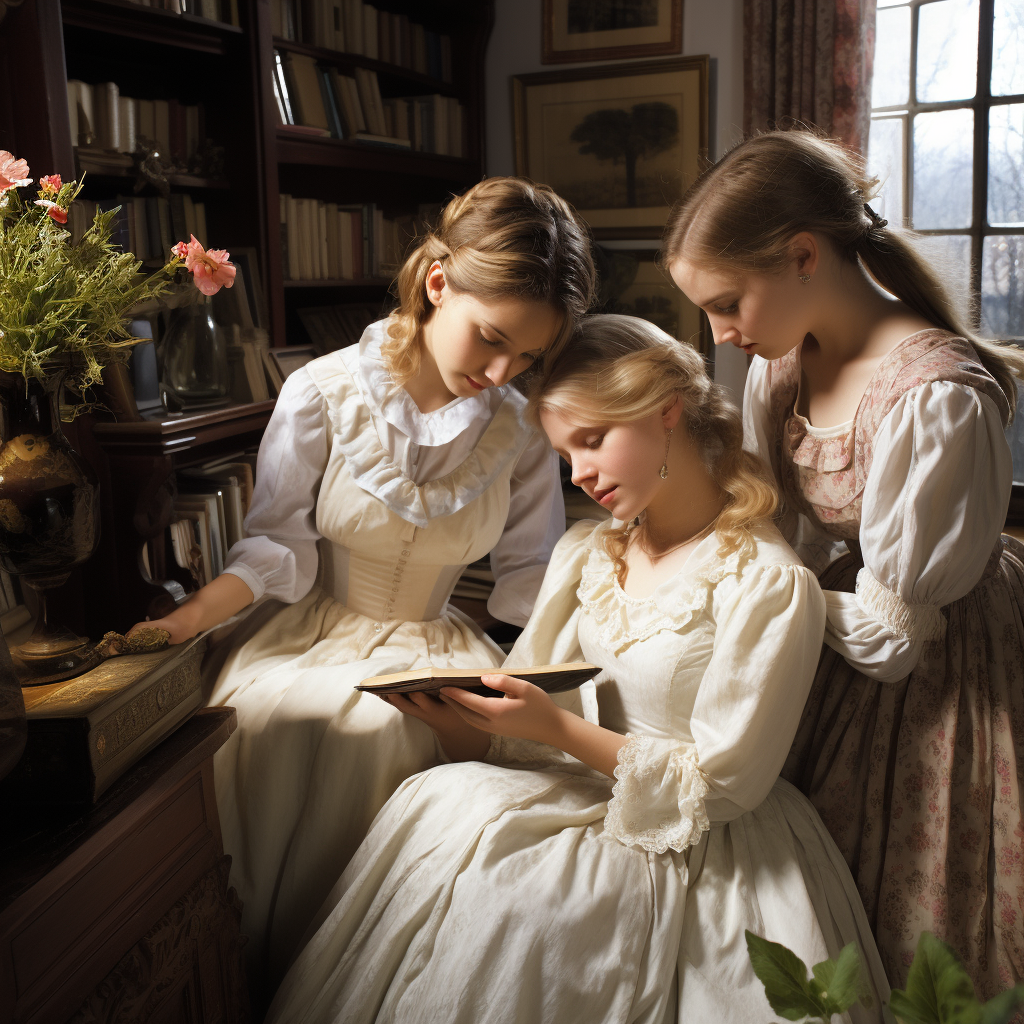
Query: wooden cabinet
{"points": [[124, 916]]}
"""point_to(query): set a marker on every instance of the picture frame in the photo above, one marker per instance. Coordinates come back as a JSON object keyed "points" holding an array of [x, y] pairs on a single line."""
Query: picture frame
{"points": [[288, 360], [575, 30], [576, 130], [633, 283]]}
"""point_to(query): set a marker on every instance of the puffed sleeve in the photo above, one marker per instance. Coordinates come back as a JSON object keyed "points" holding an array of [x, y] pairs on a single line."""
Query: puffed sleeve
{"points": [[279, 557], [536, 519], [934, 505], [813, 546], [767, 641], [551, 637]]}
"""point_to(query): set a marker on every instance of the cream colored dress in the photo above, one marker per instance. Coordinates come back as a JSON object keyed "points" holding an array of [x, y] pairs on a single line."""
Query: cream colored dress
{"points": [[313, 760], [535, 890]]}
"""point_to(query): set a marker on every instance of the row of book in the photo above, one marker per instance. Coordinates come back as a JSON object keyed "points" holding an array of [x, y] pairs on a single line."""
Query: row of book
{"points": [[323, 101], [216, 10], [101, 118], [338, 326], [351, 26], [147, 227], [208, 518], [330, 242]]}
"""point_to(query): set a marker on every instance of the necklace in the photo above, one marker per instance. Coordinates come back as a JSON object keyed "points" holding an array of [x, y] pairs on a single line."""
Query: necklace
{"points": [[656, 557]]}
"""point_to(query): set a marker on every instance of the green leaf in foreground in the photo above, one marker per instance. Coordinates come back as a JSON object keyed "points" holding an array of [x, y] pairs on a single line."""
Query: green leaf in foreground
{"points": [[838, 983], [784, 976]]}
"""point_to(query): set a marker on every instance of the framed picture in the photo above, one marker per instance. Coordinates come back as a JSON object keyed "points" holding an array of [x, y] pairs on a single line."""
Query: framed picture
{"points": [[620, 142], [289, 359], [632, 282], [610, 29]]}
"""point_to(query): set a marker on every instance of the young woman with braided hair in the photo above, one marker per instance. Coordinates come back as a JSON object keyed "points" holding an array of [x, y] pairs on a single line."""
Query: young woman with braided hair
{"points": [[882, 416], [402, 459]]}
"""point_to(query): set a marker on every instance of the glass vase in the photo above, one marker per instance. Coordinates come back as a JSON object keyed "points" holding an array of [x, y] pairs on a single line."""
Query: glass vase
{"points": [[195, 354]]}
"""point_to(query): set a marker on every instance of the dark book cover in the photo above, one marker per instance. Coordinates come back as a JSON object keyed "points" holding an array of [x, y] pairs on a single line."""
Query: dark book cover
{"points": [[550, 678]]}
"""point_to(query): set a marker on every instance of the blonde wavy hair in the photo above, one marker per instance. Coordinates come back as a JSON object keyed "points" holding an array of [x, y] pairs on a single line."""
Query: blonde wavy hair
{"points": [[504, 237], [619, 369], [741, 214]]}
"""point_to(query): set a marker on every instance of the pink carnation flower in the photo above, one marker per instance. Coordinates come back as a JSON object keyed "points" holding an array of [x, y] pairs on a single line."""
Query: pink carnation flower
{"points": [[58, 213], [210, 268], [180, 250], [50, 184], [13, 172]]}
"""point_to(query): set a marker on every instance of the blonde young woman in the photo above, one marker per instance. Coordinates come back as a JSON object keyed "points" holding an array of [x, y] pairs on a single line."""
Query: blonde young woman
{"points": [[882, 416], [603, 869], [402, 459]]}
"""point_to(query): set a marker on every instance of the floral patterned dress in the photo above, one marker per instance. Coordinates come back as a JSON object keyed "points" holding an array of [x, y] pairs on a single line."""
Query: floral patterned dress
{"points": [[912, 743]]}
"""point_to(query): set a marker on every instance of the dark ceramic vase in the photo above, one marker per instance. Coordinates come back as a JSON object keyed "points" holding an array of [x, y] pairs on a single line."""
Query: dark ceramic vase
{"points": [[49, 517]]}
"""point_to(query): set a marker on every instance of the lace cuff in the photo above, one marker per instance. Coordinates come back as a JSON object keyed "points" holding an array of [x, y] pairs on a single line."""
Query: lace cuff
{"points": [[658, 799], [907, 621]]}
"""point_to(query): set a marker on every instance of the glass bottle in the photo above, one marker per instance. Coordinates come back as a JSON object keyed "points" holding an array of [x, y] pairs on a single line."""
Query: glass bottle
{"points": [[195, 353]]}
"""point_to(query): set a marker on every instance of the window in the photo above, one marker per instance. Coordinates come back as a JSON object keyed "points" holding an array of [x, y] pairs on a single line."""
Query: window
{"points": [[947, 141]]}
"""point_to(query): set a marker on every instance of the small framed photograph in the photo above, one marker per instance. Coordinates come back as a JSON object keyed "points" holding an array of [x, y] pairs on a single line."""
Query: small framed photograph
{"points": [[634, 284], [620, 142], [610, 29], [288, 360]]}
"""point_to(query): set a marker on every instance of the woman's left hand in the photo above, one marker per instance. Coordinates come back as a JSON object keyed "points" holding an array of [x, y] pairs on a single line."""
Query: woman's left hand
{"points": [[525, 712]]}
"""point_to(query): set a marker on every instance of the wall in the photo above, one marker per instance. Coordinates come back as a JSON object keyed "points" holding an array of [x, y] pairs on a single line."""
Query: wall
{"points": [[714, 27]]}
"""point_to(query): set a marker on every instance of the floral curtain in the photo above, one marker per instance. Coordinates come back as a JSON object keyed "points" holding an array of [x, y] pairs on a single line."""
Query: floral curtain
{"points": [[810, 61]]}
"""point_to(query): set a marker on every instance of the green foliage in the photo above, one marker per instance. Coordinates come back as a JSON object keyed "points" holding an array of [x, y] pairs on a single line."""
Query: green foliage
{"points": [[60, 299], [835, 986], [939, 990]]}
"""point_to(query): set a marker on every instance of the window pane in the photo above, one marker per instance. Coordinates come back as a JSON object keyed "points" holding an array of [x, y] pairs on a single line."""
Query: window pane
{"points": [[885, 161], [1015, 436], [943, 164], [886, 3], [1002, 286], [947, 51], [1006, 165], [950, 255], [1007, 46], [890, 83]]}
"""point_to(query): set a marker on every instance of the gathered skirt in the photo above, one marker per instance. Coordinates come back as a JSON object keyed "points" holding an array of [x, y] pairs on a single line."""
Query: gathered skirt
{"points": [[919, 782], [492, 895], [313, 759]]}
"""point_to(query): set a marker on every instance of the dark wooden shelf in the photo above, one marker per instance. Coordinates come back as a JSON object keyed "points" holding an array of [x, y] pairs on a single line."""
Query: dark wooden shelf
{"points": [[382, 67], [343, 282], [123, 18], [362, 156]]}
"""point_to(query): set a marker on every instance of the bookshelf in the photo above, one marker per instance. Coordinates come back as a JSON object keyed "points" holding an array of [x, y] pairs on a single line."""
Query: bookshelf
{"points": [[155, 54]]}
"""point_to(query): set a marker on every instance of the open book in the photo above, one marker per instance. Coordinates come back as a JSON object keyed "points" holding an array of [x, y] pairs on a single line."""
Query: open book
{"points": [[550, 678]]}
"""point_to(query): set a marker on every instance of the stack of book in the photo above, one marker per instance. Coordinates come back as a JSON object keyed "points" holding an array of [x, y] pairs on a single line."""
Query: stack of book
{"points": [[351, 26], [320, 100], [334, 327], [330, 241], [104, 124], [147, 227], [212, 503]]}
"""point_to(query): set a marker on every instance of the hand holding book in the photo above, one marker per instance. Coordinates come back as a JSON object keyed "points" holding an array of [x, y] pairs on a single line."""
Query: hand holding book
{"points": [[549, 678]]}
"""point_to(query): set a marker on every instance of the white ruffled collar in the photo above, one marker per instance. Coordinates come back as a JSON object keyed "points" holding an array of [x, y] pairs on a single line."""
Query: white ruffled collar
{"points": [[429, 429], [625, 620]]}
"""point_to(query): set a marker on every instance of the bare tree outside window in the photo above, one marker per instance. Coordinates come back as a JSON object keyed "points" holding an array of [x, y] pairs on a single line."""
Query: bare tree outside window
{"points": [[947, 139]]}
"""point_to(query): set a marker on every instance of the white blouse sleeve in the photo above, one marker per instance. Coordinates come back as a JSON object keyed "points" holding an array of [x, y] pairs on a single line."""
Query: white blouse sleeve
{"points": [[934, 506], [279, 557], [813, 546], [767, 642], [536, 519]]}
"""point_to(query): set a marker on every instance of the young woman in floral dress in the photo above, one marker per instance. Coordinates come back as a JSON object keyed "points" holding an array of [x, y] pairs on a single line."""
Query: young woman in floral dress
{"points": [[882, 416]]}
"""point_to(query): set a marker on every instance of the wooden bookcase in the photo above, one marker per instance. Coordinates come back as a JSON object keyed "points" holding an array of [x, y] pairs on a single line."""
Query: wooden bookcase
{"points": [[155, 54]]}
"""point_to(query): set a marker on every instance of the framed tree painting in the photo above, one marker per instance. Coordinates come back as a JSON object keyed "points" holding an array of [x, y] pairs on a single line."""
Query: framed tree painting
{"points": [[610, 29], [631, 282], [620, 142]]}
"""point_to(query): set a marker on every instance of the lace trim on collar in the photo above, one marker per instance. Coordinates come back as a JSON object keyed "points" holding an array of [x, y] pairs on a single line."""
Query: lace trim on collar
{"points": [[371, 465], [625, 620]]}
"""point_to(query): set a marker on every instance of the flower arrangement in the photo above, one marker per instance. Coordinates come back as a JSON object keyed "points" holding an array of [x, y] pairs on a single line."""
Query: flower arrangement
{"points": [[62, 300]]}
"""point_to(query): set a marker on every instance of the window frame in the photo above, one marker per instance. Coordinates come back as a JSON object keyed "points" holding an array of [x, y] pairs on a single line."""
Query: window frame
{"points": [[982, 102]]}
